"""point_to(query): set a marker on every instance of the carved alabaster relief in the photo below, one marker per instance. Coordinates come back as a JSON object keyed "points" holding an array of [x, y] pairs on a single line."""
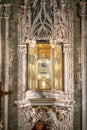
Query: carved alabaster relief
{"points": [[51, 117]]}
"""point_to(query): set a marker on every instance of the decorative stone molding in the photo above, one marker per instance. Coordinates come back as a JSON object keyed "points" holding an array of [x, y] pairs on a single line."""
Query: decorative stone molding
{"points": [[83, 8], [5, 10], [36, 98]]}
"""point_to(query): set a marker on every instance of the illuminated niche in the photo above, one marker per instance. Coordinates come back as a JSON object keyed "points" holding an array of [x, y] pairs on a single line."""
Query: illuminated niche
{"points": [[45, 67]]}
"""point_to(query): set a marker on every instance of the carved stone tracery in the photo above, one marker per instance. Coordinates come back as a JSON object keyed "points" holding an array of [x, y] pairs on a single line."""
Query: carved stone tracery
{"points": [[40, 23]]}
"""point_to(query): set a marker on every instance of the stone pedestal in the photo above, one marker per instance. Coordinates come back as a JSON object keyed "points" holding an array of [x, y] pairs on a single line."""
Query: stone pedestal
{"points": [[49, 107]]}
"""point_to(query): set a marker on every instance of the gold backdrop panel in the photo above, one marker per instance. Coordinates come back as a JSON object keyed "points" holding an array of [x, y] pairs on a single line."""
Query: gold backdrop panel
{"points": [[40, 67], [31, 69], [43, 66]]}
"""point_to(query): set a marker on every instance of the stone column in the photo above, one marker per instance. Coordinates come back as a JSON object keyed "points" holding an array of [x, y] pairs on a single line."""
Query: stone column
{"points": [[24, 64], [22, 81], [68, 69], [68, 79], [6, 16], [0, 49], [83, 59], [6, 74], [22, 70], [0, 42], [65, 51]]}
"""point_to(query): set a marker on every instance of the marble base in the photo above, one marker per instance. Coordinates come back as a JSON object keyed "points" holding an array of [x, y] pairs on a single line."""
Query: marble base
{"points": [[46, 97]]}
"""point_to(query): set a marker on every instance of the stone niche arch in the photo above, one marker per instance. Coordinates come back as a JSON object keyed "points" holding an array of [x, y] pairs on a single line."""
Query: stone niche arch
{"points": [[37, 23]]}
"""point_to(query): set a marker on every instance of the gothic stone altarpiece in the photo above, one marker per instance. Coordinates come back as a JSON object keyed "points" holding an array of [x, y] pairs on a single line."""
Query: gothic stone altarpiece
{"points": [[48, 21], [45, 20]]}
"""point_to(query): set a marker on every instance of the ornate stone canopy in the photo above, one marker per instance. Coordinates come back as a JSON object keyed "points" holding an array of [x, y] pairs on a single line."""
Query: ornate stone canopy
{"points": [[45, 20]]}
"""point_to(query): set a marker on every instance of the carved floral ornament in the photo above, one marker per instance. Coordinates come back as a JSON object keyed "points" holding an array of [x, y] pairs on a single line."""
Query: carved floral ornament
{"points": [[43, 21]]}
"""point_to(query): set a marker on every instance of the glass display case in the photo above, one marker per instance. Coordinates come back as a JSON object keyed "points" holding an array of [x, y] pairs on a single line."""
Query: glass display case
{"points": [[45, 67]]}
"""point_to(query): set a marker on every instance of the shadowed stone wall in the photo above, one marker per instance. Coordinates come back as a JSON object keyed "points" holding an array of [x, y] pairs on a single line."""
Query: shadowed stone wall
{"points": [[77, 68], [13, 68]]}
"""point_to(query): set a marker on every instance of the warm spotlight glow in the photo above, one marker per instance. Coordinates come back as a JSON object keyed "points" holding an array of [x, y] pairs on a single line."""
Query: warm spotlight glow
{"points": [[43, 84]]}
